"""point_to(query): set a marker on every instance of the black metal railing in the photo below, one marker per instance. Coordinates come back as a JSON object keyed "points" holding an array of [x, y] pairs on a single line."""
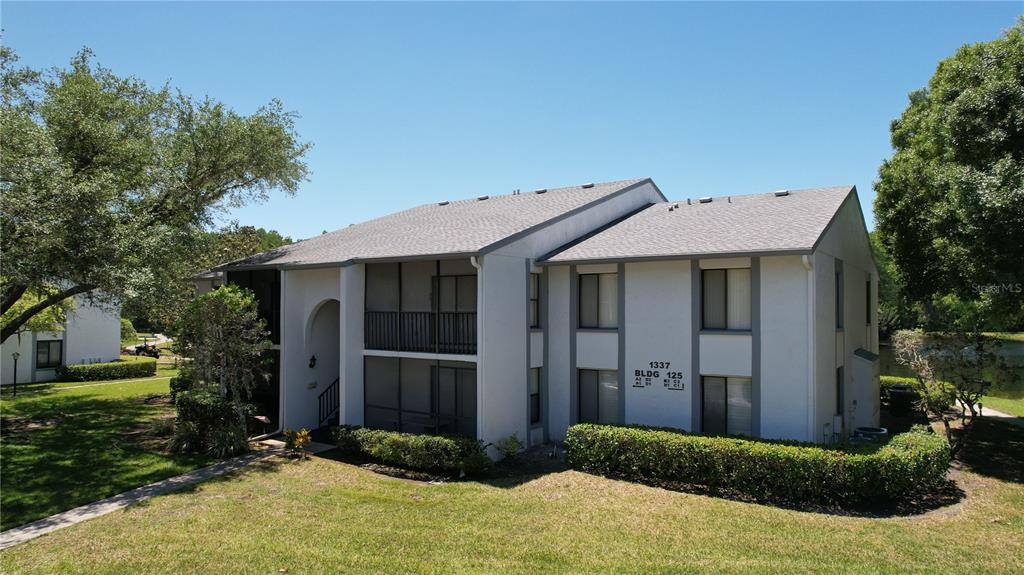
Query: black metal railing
{"points": [[327, 403], [421, 331]]}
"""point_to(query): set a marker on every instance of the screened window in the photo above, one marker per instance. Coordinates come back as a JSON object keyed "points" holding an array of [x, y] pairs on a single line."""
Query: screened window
{"points": [[534, 300], [457, 293], [420, 396], [49, 353], [599, 396], [599, 300], [535, 395], [727, 405], [726, 296]]}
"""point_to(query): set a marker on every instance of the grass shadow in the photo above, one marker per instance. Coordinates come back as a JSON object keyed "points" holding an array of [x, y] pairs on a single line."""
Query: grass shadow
{"points": [[994, 449]]}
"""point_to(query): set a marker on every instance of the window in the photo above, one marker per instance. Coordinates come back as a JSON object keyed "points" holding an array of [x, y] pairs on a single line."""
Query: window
{"points": [[727, 405], [599, 396], [534, 395], [840, 392], [839, 294], [419, 396], [599, 300], [726, 296], [49, 353], [867, 300], [534, 300]]}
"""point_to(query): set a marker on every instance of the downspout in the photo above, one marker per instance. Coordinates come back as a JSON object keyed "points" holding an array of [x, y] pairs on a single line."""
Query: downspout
{"points": [[812, 407]]}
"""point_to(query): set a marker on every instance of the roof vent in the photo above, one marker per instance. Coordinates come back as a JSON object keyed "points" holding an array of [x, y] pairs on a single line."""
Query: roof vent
{"points": [[705, 200], [781, 193], [587, 185], [688, 202], [540, 191], [481, 198], [444, 203], [670, 208], [677, 205]]}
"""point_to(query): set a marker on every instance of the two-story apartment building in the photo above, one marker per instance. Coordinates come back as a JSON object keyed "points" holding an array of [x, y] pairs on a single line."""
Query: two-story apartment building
{"points": [[525, 313]]}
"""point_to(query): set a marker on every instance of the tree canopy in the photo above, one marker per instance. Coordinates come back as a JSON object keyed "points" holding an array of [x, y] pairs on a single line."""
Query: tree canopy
{"points": [[109, 187], [950, 203]]}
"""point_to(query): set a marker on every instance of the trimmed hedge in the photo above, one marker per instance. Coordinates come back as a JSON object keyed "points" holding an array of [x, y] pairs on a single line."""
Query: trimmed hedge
{"points": [[886, 382], [444, 453], [911, 462], [123, 369]]}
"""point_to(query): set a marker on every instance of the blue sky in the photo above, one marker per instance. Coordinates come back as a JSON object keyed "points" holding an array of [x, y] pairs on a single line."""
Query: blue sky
{"points": [[413, 103]]}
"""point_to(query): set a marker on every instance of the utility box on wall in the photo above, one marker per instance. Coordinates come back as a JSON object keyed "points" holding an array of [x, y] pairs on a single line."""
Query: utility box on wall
{"points": [[866, 388]]}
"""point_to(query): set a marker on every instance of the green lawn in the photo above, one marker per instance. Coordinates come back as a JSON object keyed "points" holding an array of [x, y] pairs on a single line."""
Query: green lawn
{"points": [[1010, 405], [67, 444], [325, 516]]}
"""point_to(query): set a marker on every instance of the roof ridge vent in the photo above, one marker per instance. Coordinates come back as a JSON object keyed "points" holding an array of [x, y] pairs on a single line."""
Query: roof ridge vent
{"points": [[482, 198], [443, 203], [587, 185], [704, 200], [781, 193], [689, 202], [540, 191]]}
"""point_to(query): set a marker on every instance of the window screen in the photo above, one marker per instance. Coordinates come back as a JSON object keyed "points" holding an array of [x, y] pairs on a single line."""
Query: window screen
{"points": [[534, 300], [713, 292], [726, 299], [48, 353], [727, 405], [535, 395], [839, 294]]}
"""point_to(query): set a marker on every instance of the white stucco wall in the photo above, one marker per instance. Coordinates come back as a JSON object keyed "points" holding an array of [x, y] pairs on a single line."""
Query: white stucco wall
{"points": [[353, 285], [304, 292], [657, 329], [93, 333], [502, 348], [785, 352]]}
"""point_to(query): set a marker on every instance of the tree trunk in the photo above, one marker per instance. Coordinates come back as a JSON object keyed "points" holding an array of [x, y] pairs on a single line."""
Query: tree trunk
{"points": [[15, 325]]}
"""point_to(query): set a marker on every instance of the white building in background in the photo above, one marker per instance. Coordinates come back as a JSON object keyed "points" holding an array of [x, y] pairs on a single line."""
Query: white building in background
{"points": [[526, 313], [91, 334]]}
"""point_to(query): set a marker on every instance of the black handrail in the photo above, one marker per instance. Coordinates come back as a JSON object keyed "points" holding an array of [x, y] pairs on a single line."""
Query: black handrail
{"points": [[327, 402]]}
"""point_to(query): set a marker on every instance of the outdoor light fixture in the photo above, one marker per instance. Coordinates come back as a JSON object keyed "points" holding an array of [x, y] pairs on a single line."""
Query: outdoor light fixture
{"points": [[312, 362], [15, 357]]}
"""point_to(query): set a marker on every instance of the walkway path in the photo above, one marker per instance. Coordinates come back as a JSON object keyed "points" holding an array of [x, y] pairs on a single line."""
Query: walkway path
{"points": [[70, 517], [1000, 416]]}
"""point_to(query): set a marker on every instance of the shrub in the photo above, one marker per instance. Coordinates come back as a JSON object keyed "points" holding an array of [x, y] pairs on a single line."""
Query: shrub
{"points": [[296, 441], [765, 470], [449, 454], [182, 381], [123, 369], [208, 423], [886, 382], [128, 333], [509, 447]]}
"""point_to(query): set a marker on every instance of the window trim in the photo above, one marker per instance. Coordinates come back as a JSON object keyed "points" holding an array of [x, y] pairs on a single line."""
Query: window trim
{"points": [[50, 364], [533, 303], [579, 302], [867, 299]]}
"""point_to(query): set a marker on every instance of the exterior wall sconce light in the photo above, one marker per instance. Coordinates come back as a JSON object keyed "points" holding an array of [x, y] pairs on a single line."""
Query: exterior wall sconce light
{"points": [[312, 362]]}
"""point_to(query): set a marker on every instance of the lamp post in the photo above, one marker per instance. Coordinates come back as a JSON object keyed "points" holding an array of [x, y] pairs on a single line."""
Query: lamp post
{"points": [[15, 357]]}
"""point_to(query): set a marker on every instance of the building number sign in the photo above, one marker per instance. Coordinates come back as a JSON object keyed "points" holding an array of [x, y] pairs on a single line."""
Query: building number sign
{"points": [[659, 372]]}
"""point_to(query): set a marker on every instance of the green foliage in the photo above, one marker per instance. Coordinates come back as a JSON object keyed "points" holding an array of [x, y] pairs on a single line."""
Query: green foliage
{"points": [[207, 423], [223, 334], [509, 447], [296, 441], [128, 333], [886, 382], [52, 318], [768, 471], [109, 187], [950, 203], [123, 369], [183, 381], [448, 454]]}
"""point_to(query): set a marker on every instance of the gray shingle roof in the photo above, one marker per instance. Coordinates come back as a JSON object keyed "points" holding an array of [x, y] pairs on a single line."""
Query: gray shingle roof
{"points": [[458, 227], [727, 225]]}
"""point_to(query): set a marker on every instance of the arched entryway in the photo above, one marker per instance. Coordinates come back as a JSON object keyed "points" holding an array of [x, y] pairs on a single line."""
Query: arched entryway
{"points": [[322, 354]]}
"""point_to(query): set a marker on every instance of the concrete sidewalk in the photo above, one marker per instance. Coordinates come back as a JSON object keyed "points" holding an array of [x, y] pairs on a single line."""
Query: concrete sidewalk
{"points": [[46, 525], [1000, 416]]}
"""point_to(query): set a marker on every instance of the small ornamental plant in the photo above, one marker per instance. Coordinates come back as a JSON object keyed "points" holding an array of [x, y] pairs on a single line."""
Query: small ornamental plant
{"points": [[296, 441], [509, 447]]}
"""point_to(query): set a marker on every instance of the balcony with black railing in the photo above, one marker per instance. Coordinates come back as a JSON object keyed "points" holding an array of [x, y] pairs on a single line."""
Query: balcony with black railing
{"points": [[421, 331]]}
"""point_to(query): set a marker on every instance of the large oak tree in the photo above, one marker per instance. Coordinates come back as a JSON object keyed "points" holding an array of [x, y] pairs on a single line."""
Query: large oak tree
{"points": [[950, 204], [109, 187]]}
